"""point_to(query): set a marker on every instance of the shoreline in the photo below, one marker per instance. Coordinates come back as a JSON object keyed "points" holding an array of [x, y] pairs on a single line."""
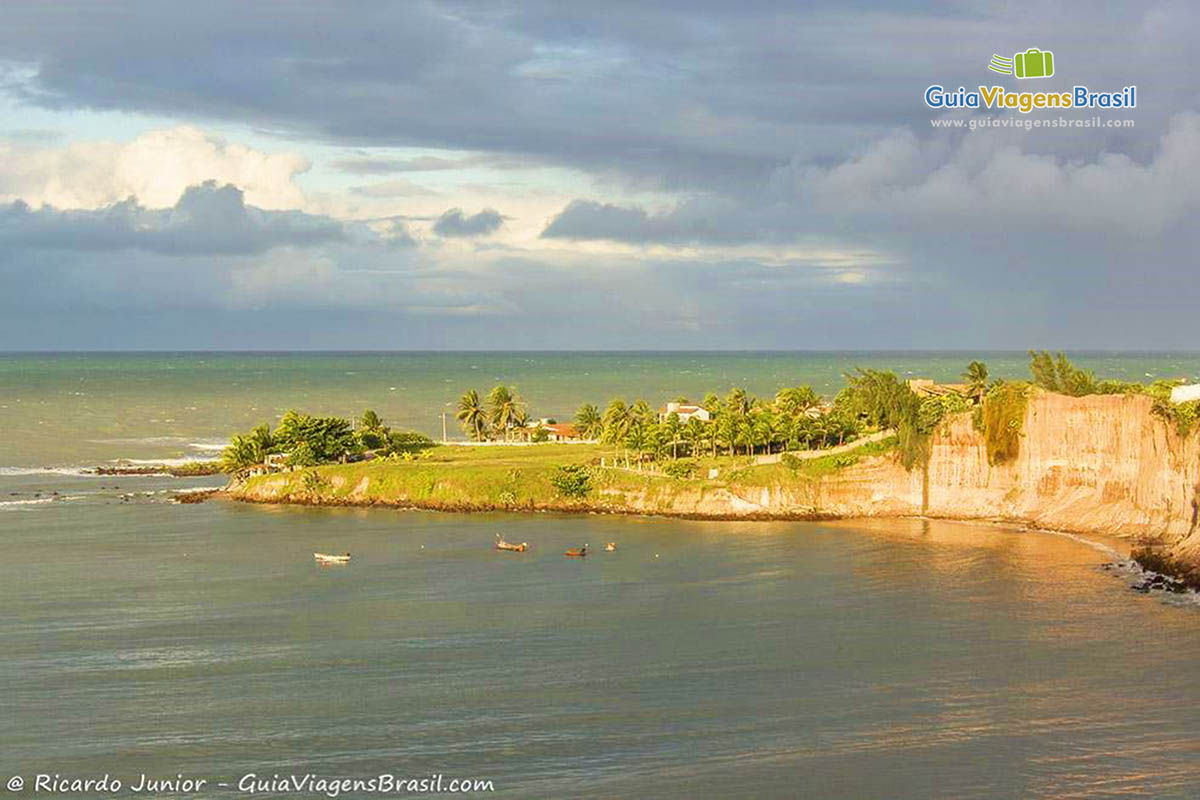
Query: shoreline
{"points": [[1150, 578]]}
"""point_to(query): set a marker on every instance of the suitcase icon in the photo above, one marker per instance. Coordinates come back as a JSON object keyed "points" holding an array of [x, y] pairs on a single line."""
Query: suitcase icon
{"points": [[1034, 63]]}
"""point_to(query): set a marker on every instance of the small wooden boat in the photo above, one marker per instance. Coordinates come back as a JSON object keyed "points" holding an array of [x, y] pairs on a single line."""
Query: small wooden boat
{"points": [[577, 552], [516, 548], [328, 558], [610, 546]]}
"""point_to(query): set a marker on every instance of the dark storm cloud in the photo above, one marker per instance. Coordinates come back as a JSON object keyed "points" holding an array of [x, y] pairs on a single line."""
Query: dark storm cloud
{"points": [[680, 94], [207, 219], [774, 124], [454, 223]]}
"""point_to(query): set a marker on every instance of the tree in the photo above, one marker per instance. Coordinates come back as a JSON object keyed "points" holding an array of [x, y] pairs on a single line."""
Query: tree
{"points": [[642, 412], [878, 397], [589, 422], [319, 439], [693, 434], [617, 420], [762, 430], [671, 430], [725, 433], [1058, 374], [247, 450], [370, 421], [738, 402], [793, 401], [371, 430], [507, 409], [472, 415], [976, 377], [637, 440]]}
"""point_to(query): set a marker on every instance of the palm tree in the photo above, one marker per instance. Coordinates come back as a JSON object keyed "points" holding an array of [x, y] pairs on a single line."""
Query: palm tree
{"points": [[507, 409], [976, 377], [473, 416], [637, 440], [642, 412], [589, 422], [617, 419], [671, 429], [738, 402], [693, 434]]}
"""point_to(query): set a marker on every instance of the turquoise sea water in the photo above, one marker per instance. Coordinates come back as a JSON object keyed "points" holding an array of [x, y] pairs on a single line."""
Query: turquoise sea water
{"points": [[82, 409], [889, 659]]}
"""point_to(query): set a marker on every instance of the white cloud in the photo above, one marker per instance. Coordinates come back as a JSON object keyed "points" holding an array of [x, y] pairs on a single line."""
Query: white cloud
{"points": [[156, 168]]}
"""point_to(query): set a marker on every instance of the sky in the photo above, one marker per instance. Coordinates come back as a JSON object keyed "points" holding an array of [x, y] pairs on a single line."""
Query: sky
{"points": [[620, 175]]}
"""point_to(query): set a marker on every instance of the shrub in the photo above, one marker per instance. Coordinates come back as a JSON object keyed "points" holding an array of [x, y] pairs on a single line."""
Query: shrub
{"points": [[679, 469], [572, 480], [1003, 415], [408, 442], [791, 461], [313, 483], [540, 435]]}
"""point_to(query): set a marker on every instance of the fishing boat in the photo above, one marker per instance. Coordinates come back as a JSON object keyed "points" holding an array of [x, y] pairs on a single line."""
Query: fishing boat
{"points": [[577, 552], [610, 546], [328, 558], [516, 548]]}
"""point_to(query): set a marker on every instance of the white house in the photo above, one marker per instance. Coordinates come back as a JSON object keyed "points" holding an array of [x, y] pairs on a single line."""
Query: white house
{"points": [[1182, 394], [686, 411]]}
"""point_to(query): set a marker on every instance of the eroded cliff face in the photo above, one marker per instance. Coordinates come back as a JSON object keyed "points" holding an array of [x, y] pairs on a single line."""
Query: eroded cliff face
{"points": [[1102, 464], [1099, 463]]}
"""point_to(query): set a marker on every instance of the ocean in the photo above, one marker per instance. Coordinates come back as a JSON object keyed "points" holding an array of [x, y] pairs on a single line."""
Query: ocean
{"points": [[80, 409], [886, 658]]}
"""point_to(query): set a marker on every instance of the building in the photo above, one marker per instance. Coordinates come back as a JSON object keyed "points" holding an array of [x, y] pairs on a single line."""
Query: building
{"points": [[1184, 394], [563, 432], [686, 412]]}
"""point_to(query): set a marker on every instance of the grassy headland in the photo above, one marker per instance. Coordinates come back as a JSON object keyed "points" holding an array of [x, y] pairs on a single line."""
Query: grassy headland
{"points": [[563, 477]]}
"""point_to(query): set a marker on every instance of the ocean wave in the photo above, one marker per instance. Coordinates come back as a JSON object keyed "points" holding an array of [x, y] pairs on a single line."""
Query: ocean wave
{"points": [[214, 446], [161, 462], [34, 502], [18, 471]]}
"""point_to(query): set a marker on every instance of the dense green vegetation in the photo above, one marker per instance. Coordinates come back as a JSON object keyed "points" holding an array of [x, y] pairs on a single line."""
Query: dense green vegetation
{"points": [[304, 440], [739, 424], [1000, 418]]}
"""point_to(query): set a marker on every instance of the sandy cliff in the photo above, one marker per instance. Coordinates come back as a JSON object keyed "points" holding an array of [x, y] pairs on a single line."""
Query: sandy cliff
{"points": [[1101, 463]]}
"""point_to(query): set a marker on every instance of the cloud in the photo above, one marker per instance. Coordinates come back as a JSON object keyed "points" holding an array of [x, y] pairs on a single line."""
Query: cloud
{"points": [[157, 167], [385, 166], [207, 219], [393, 188], [454, 223], [674, 95], [978, 182], [695, 222]]}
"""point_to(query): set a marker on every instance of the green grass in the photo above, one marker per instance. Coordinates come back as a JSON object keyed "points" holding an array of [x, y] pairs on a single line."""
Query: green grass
{"points": [[459, 477]]}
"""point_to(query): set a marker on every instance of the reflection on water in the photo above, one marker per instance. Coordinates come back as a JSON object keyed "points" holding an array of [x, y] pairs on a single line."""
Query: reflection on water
{"points": [[899, 658]]}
